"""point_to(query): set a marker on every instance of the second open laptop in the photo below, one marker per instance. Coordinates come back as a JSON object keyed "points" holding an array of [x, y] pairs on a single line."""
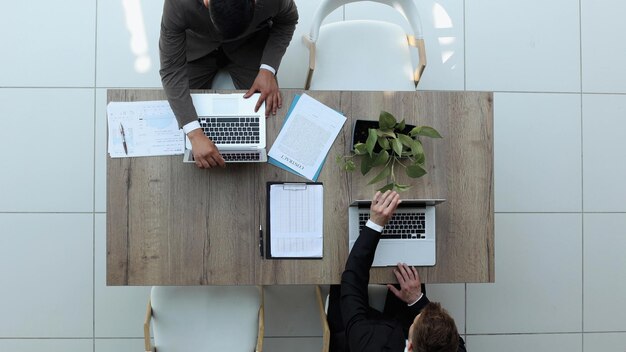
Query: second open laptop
{"points": [[231, 123], [409, 236]]}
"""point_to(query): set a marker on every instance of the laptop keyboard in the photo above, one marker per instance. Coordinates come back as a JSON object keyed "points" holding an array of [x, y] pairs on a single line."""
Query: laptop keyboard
{"points": [[240, 157], [236, 157], [231, 130], [406, 226]]}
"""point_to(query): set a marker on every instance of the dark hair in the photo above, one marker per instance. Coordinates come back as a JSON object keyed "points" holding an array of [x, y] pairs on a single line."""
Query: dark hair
{"points": [[231, 17], [435, 330]]}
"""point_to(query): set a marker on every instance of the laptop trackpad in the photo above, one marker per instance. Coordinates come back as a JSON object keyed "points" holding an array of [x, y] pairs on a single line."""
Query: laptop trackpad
{"points": [[411, 252], [225, 105]]}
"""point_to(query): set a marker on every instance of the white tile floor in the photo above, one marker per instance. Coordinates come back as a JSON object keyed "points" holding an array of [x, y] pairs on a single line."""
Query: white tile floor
{"points": [[48, 45], [537, 146], [603, 152], [603, 270], [534, 292], [517, 45], [602, 46], [556, 70]]}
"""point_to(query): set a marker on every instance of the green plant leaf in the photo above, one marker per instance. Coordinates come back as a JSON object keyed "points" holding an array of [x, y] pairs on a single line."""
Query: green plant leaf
{"points": [[350, 166], [384, 143], [417, 148], [386, 121], [425, 131], [418, 152], [406, 140], [401, 188], [397, 146], [415, 171], [338, 159], [360, 149], [400, 126], [381, 158], [386, 187], [371, 141], [366, 164], [381, 176], [388, 134], [420, 158]]}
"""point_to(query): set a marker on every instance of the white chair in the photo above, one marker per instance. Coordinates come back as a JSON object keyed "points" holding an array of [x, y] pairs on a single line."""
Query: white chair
{"points": [[222, 80], [364, 54], [323, 309], [205, 318]]}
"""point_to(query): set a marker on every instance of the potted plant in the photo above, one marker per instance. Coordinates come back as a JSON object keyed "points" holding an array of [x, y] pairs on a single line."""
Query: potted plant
{"points": [[391, 144]]}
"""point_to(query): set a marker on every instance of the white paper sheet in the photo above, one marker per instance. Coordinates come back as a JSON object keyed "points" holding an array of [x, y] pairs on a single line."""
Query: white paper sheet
{"points": [[307, 136], [150, 129], [296, 220]]}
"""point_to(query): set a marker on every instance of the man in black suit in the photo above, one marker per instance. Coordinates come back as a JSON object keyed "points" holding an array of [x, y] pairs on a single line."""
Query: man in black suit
{"points": [[426, 325]]}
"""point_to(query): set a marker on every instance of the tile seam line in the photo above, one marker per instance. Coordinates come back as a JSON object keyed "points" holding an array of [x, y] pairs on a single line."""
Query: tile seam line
{"points": [[95, 160]]}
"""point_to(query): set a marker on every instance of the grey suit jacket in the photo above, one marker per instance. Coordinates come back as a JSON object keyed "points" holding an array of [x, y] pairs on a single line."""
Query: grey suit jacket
{"points": [[187, 34]]}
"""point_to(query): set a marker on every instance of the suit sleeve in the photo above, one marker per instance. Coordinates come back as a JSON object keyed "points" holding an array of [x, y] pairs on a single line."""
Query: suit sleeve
{"points": [[407, 314], [281, 32], [173, 57], [354, 281], [461, 347]]}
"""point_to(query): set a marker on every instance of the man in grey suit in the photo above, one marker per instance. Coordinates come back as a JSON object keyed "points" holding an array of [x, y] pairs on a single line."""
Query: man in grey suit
{"points": [[248, 38]]}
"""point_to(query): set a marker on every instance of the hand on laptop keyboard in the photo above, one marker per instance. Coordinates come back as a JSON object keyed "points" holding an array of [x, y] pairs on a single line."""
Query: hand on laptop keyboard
{"points": [[205, 153], [383, 206]]}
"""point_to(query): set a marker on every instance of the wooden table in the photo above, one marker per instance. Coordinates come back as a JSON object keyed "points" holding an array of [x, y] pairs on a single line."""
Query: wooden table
{"points": [[170, 223]]}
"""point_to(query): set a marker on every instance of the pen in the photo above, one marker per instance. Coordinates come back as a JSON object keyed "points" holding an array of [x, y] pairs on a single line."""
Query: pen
{"points": [[261, 240], [123, 138]]}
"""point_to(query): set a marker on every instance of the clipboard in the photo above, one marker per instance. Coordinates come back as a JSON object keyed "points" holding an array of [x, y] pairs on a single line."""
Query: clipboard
{"points": [[295, 213]]}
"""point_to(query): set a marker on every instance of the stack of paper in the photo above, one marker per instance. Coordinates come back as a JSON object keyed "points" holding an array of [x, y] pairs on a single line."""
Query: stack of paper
{"points": [[143, 128], [309, 131]]}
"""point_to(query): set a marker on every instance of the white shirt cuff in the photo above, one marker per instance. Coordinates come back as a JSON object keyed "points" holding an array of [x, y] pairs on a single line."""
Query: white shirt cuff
{"points": [[374, 226], [269, 68], [418, 299], [191, 126]]}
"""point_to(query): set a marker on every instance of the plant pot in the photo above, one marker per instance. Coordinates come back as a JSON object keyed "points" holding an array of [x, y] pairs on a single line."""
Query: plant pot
{"points": [[361, 128]]}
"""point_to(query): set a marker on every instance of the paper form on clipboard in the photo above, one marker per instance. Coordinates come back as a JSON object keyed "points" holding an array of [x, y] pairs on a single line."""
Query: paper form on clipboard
{"points": [[295, 220]]}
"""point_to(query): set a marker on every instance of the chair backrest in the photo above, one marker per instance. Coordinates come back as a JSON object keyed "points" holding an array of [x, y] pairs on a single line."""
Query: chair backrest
{"points": [[205, 318], [383, 63], [387, 46], [223, 80], [377, 295], [406, 7]]}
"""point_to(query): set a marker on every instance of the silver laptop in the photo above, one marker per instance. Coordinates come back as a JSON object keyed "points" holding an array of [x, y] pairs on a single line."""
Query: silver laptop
{"points": [[409, 237], [231, 123]]}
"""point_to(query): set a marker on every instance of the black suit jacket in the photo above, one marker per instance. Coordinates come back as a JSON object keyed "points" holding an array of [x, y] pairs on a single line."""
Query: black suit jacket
{"points": [[365, 333]]}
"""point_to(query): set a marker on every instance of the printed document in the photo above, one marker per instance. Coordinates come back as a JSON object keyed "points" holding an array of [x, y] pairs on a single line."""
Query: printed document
{"points": [[296, 220], [143, 128], [307, 136]]}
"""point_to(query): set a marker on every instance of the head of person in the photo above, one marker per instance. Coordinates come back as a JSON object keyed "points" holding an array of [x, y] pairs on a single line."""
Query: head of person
{"points": [[433, 330], [231, 17]]}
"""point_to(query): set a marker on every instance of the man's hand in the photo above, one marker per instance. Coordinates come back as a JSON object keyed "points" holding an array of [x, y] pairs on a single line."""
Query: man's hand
{"points": [[383, 206], [410, 284], [266, 84], [204, 151]]}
